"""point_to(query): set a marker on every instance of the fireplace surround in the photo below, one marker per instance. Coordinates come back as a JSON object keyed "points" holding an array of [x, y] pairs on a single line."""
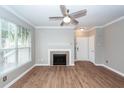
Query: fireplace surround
{"points": [[53, 52]]}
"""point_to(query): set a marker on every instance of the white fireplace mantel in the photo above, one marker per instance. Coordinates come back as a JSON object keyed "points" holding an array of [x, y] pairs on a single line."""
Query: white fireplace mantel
{"points": [[50, 50]]}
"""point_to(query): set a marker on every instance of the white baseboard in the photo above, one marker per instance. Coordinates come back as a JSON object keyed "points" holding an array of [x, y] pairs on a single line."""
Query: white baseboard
{"points": [[42, 64], [116, 71], [16, 79], [12, 82], [50, 65], [71, 65], [81, 60]]}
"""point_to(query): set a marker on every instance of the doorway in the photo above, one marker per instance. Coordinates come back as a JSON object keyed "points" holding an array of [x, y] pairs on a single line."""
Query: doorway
{"points": [[82, 48]]}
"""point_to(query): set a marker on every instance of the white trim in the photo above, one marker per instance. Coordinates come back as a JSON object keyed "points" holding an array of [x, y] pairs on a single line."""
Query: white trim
{"points": [[16, 79], [71, 27], [82, 60], [71, 64], [58, 27], [116, 71], [114, 21], [17, 15], [12, 82], [69, 50], [107, 24], [42, 65], [54, 27], [93, 28]]}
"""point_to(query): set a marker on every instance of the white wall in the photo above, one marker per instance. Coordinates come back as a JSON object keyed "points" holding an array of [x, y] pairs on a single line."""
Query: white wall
{"points": [[54, 38], [15, 73], [114, 45]]}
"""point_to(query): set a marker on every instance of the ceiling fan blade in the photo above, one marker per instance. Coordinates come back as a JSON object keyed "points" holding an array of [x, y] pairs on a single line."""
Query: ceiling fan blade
{"points": [[73, 21], [62, 23], [79, 13], [63, 10], [56, 18]]}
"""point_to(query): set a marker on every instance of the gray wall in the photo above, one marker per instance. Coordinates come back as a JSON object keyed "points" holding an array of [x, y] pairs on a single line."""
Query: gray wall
{"points": [[91, 45], [15, 73], [114, 45], [99, 46], [109, 46], [52, 39]]}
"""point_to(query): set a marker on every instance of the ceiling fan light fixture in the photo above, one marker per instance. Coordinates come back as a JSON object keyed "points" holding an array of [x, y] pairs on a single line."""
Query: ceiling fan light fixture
{"points": [[81, 29], [67, 19]]}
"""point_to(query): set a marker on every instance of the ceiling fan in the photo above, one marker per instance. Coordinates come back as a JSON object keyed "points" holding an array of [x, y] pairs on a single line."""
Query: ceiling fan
{"points": [[69, 18]]}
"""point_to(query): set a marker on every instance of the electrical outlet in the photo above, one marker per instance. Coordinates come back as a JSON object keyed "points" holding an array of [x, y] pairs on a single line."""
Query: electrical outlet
{"points": [[4, 78], [107, 61]]}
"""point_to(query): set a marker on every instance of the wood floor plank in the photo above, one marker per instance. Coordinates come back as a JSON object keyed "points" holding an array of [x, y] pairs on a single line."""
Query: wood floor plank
{"points": [[82, 75]]}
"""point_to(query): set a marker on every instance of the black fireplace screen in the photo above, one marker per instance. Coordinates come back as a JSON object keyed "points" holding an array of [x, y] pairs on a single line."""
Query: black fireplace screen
{"points": [[59, 59]]}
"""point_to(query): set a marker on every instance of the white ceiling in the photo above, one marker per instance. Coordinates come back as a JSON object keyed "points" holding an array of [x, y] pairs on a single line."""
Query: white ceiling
{"points": [[96, 15]]}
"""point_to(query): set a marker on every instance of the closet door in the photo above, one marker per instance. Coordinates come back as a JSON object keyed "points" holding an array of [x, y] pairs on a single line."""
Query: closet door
{"points": [[82, 48]]}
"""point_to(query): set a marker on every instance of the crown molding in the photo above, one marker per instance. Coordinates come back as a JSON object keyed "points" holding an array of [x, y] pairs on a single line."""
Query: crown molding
{"points": [[54, 27], [93, 28], [17, 15], [114, 21], [107, 24], [57, 27]]}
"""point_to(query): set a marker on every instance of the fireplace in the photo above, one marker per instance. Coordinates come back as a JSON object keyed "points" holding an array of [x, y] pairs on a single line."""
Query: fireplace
{"points": [[59, 59], [59, 56]]}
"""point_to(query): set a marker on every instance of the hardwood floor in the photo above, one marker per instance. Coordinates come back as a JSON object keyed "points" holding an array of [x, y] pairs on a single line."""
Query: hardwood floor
{"points": [[82, 75]]}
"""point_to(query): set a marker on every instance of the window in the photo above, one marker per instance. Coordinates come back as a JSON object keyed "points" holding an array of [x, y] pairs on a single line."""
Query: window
{"points": [[15, 44], [7, 42], [24, 45]]}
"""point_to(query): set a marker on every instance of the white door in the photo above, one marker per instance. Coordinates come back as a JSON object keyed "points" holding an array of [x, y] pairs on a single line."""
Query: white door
{"points": [[82, 48], [92, 48]]}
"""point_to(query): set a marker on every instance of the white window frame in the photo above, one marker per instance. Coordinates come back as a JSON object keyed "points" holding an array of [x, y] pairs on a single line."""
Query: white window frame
{"points": [[16, 43]]}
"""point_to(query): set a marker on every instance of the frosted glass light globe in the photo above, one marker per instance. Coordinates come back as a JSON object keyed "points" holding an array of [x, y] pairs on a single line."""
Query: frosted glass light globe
{"points": [[66, 19], [81, 29]]}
